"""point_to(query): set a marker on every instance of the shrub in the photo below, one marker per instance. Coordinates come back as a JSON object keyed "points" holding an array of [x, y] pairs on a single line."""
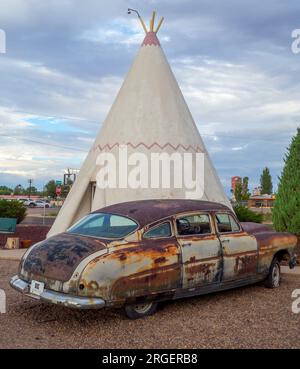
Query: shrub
{"points": [[246, 215], [12, 209]]}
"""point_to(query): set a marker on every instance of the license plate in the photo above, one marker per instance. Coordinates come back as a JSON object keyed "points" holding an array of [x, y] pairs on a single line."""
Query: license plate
{"points": [[36, 288]]}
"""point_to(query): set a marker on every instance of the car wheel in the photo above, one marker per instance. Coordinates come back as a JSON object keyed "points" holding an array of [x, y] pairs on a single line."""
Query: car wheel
{"points": [[31, 205], [47, 206], [273, 279], [137, 311]]}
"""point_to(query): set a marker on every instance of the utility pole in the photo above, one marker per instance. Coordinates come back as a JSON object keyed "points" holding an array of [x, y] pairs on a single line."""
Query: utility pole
{"points": [[30, 183]]}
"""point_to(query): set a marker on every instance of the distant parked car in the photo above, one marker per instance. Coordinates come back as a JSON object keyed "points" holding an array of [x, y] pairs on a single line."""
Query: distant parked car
{"points": [[29, 203], [138, 253], [41, 204], [37, 204], [23, 200]]}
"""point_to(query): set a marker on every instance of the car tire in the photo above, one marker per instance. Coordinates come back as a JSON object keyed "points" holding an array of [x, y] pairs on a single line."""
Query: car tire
{"points": [[47, 206], [136, 311], [273, 278], [32, 205]]}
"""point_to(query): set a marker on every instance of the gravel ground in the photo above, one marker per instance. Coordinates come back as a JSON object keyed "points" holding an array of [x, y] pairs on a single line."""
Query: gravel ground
{"points": [[249, 317]]}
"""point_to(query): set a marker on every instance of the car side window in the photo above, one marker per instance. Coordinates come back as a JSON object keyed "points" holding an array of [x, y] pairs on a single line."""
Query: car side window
{"points": [[160, 231], [226, 223], [193, 224]]}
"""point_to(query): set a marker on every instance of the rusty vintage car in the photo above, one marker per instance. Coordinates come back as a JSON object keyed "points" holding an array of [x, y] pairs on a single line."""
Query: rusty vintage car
{"points": [[136, 254]]}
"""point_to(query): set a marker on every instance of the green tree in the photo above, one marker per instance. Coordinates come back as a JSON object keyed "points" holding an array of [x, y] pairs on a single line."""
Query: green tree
{"points": [[245, 188], [286, 212], [32, 190], [65, 189], [241, 192], [238, 193], [4, 190], [18, 190], [266, 182], [50, 189]]}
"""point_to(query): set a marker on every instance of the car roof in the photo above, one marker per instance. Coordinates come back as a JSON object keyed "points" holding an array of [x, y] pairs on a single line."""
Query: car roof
{"points": [[149, 211]]}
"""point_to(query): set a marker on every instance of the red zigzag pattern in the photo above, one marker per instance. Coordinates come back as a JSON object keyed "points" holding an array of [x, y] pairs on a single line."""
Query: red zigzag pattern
{"points": [[185, 148]]}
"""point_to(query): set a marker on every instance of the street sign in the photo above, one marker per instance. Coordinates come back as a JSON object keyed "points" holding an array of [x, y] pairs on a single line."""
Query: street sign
{"points": [[58, 190], [58, 183]]}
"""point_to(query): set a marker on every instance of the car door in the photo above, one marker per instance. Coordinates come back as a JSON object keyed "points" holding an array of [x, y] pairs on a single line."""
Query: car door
{"points": [[154, 266], [200, 249], [239, 249]]}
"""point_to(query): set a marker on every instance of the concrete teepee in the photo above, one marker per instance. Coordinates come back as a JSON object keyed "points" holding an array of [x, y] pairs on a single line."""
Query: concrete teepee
{"points": [[149, 116]]}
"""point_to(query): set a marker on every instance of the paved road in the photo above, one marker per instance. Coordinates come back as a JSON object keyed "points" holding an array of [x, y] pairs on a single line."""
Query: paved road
{"points": [[36, 216], [248, 317], [40, 211], [12, 254], [38, 220]]}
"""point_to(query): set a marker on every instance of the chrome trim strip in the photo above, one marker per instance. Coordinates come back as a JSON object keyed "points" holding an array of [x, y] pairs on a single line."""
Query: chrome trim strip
{"points": [[57, 297]]}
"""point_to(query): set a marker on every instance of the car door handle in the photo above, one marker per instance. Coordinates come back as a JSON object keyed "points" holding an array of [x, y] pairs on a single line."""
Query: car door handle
{"points": [[186, 244], [226, 240]]}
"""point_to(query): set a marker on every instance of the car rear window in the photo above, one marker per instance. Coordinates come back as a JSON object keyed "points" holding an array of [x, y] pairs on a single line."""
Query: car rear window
{"points": [[104, 225]]}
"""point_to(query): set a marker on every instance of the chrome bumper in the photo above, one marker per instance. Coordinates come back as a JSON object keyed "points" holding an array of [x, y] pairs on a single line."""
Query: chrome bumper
{"points": [[57, 297]]}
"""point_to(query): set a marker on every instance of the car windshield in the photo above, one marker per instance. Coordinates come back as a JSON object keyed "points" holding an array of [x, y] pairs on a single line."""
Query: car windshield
{"points": [[104, 225]]}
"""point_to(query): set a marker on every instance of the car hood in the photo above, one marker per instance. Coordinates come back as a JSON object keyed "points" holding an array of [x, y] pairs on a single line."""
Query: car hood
{"points": [[57, 257], [252, 228]]}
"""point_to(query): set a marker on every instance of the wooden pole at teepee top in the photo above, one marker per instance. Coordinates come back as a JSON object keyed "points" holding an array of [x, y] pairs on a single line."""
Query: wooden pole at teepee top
{"points": [[159, 24], [143, 24], [152, 22]]}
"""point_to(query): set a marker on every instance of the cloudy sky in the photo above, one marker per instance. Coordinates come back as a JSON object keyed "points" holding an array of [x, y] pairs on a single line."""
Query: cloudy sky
{"points": [[66, 60]]}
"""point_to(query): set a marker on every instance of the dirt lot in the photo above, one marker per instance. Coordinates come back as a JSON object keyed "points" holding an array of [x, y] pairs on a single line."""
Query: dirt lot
{"points": [[246, 317]]}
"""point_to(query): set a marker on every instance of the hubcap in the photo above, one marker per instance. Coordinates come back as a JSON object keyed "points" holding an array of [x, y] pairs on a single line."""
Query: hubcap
{"points": [[276, 275], [142, 308]]}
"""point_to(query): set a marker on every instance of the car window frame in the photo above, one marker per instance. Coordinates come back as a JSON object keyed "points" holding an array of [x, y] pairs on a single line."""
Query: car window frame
{"points": [[156, 226], [233, 217], [211, 223]]}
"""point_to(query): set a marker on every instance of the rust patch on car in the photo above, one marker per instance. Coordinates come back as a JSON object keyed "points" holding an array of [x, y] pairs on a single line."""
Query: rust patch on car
{"points": [[93, 285], [200, 269], [245, 264], [160, 260], [151, 281], [122, 257]]}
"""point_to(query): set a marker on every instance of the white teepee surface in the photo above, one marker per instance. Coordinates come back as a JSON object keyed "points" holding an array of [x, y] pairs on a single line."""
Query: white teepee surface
{"points": [[149, 115]]}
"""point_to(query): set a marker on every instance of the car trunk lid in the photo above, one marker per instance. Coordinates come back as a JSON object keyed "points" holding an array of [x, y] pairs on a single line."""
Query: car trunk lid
{"points": [[57, 257]]}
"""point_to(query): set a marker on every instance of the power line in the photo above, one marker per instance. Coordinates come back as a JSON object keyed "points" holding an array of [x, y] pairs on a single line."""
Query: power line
{"points": [[56, 117], [97, 122], [85, 151], [241, 138], [45, 143]]}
